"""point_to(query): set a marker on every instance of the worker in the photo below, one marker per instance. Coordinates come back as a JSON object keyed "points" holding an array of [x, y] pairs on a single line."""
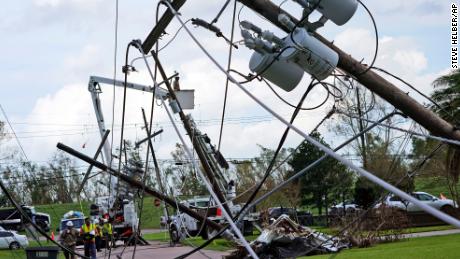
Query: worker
{"points": [[98, 235], [89, 233], [68, 238], [108, 234]]}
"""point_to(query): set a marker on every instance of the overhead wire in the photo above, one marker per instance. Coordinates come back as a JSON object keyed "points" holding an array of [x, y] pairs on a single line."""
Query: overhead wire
{"points": [[374, 23], [362, 172], [229, 65], [188, 152], [26, 158], [421, 135]]}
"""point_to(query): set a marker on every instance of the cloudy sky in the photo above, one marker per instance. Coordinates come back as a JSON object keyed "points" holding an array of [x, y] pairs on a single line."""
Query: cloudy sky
{"points": [[51, 47]]}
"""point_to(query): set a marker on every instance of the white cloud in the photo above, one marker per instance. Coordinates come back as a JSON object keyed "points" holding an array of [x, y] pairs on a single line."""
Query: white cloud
{"points": [[72, 104], [398, 55]]}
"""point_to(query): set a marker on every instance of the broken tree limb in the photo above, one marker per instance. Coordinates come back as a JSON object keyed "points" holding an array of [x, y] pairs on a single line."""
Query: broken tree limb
{"points": [[371, 80], [139, 185]]}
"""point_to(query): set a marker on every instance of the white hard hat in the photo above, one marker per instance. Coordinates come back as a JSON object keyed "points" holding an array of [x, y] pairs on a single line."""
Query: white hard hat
{"points": [[69, 223], [96, 221]]}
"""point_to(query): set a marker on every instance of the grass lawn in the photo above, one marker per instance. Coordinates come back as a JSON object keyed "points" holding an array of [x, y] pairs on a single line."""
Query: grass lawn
{"points": [[426, 247], [433, 185], [20, 253]]}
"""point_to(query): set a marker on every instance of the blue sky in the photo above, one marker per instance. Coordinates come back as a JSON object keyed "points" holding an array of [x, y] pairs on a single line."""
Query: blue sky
{"points": [[51, 47]]}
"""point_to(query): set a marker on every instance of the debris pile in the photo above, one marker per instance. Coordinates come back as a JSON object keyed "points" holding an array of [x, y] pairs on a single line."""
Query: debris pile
{"points": [[284, 238]]}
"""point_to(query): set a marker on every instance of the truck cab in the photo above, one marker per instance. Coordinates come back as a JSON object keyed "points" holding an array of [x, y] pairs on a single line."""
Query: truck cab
{"points": [[183, 226]]}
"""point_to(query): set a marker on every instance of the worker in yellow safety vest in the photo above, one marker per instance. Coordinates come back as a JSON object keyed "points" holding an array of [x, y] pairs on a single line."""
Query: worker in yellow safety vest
{"points": [[89, 232], [108, 234]]}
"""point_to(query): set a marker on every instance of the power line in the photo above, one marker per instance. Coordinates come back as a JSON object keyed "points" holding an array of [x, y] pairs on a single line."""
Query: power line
{"points": [[229, 65], [14, 133]]}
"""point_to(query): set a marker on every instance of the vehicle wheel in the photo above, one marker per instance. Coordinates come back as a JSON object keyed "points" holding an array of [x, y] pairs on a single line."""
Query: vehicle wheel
{"points": [[174, 233], [449, 210], [15, 245], [210, 233]]}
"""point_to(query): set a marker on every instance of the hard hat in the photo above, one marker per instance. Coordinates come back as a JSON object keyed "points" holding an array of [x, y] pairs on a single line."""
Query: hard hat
{"points": [[96, 221], [69, 223]]}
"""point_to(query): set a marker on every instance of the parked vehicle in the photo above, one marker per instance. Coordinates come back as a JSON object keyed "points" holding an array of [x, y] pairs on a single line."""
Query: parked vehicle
{"points": [[445, 205], [182, 225], [343, 208], [12, 240], [275, 212], [10, 218], [77, 218], [305, 218], [43, 220]]}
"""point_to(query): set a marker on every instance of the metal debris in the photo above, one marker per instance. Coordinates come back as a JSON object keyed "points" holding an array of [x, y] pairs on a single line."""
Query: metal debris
{"points": [[284, 238]]}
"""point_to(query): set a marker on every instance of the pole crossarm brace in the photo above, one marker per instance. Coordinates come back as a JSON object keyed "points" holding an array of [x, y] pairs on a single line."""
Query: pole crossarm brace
{"points": [[371, 80], [160, 27], [140, 185]]}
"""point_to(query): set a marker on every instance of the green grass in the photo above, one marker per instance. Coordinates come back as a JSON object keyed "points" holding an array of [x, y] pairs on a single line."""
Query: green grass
{"points": [[433, 185], [163, 236], [426, 247], [20, 253], [57, 210], [223, 245]]}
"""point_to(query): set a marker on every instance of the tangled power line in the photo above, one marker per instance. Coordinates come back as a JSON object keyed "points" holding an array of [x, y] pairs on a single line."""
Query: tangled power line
{"points": [[331, 90]]}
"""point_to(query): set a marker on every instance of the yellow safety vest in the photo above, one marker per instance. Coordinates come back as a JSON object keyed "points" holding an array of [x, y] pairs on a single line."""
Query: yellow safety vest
{"points": [[107, 228], [87, 229]]}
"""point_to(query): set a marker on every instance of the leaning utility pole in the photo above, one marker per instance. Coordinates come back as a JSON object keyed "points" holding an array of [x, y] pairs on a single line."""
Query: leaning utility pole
{"points": [[367, 78], [198, 148], [140, 185]]}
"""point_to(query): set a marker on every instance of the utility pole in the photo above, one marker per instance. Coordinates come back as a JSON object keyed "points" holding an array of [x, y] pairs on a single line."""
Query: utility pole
{"points": [[368, 78], [198, 148], [361, 128], [140, 185], [160, 27]]}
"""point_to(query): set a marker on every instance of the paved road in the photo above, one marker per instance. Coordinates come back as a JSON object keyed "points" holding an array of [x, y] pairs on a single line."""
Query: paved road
{"points": [[432, 233], [159, 250]]}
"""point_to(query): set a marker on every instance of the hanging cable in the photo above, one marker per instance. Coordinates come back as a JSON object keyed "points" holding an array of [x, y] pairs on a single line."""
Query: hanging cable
{"points": [[115, 65], [361, 171], [229, 65], [376, 39]]}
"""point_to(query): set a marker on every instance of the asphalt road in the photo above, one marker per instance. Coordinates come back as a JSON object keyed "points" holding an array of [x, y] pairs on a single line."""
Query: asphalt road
{"points": [[158, 250]]}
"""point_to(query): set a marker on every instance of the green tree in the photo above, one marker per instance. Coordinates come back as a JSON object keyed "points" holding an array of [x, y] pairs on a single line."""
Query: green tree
{"points": [[385, 164], [183, 176], [249, 173], [447, 96], [322, 183]]}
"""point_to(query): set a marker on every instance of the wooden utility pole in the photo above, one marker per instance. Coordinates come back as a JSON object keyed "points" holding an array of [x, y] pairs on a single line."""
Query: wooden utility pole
{"points": [[188, 127], [371, 80], [160, 27], [361, 128], [140, 185]]}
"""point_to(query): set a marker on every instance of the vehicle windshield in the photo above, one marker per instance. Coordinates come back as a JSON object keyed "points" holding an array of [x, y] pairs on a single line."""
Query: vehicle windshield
{"points": [[202, 204], [29, 210], [77, 223]]}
